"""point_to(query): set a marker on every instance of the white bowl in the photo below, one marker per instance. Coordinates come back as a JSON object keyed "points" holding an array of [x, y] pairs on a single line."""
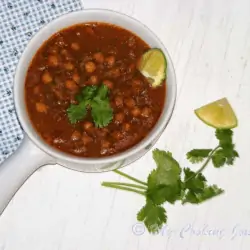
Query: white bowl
{"points": [[34, 152]]}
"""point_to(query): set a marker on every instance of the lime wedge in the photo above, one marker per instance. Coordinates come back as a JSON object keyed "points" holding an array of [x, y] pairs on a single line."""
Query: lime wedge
{"points": [[218, 114], [153, 65]]}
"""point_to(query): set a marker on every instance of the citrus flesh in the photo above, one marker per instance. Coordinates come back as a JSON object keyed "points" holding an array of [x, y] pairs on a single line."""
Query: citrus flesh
{"points": [[153, 65], [218, 114]]}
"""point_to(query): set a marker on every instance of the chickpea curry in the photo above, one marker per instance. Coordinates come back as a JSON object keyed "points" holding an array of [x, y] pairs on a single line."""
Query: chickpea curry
{"points": [[85, 95]]}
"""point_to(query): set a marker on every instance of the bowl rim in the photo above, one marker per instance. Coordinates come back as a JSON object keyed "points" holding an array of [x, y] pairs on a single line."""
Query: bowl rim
{"points": [[154, 133]]}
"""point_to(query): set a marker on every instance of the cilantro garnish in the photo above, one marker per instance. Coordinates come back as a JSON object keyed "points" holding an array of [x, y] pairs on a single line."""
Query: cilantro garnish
{"points": [[153, 216], [97, 100], [169, 183], [77, 112]]}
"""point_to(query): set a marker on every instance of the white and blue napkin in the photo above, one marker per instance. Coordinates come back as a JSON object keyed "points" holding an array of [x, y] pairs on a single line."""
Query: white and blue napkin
{"points": [[19, 21]]}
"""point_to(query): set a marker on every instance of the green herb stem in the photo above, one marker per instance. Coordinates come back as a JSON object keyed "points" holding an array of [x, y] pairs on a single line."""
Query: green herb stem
{"points": [[130, 177], [107, 184], [126, 185], [206, 162]]}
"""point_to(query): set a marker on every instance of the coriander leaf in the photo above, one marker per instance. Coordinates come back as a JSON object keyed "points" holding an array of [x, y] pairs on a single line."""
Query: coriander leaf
{"points": [[231, 158], [79, 97], [208, 193], [97, 99], [169, 153], [194, 182], [227, 154], [162, 193], [196, 189], [153, 216], [101, 112], [230, 153], [224, 136], [89, 92], [152, 182], [219, 158], [102, 92], [76, 112], [198, 155], [189, 197], [167, 171], [164, 182]]}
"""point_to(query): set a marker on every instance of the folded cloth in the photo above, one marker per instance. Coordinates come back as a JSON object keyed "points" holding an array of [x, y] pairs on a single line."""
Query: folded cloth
{"points": [[19, 21]]}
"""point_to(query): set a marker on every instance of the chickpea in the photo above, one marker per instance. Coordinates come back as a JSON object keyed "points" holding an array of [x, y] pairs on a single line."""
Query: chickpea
{"points": [[105, 144], [129, 102], [101, 132], [76, 78], [117, 135], [58, 140], [90, 67], [68, 66], [119, 117], [80, 150], [42, 68], [99, 57], [146, 112], [75, 46], [135, 112], [66, 54], [118, 101], [86, 139], [93, 80], [46, 77], [104, 151], [110, 61], [108, 83], [53, 61], [126, 127], [76, 136], [87, 126], [41, 107], [71, 85]]}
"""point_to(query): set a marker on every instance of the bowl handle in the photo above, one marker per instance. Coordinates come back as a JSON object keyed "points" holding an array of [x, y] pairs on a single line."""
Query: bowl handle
{"points": [[16, 169]]}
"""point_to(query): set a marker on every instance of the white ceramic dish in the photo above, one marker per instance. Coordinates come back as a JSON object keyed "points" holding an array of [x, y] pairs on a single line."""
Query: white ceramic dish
{"points": [[33, 151]]}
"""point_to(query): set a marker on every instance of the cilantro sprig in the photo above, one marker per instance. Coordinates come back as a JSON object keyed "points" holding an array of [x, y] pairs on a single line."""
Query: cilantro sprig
{"points": [[169, 183], [96, 100]]}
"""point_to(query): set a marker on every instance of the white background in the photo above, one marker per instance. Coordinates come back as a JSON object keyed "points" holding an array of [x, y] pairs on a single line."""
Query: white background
{"points": [[58, 209]]}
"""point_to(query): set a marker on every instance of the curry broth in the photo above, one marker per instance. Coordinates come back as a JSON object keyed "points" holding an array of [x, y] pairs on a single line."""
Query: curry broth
{"points": [[84, 55]]}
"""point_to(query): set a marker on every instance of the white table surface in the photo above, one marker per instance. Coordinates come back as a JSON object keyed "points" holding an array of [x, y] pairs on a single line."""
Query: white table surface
{"points": [[58, 209]]}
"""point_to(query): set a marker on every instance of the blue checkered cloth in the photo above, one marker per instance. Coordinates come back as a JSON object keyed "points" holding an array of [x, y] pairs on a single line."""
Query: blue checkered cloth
{"points": [[19, 21]]}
